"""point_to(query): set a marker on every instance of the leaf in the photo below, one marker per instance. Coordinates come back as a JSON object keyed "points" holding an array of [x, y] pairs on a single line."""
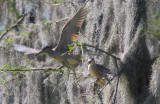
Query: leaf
{"points": [[64, 69], [2, 81], [9, 41], [26, 33]]}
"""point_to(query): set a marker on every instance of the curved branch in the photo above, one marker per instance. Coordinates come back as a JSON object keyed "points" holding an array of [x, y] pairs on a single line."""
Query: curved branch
{"points": [[13, 26], [112, 55]]}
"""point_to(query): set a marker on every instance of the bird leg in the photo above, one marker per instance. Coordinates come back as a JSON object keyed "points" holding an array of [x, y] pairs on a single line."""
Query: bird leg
{"points": [[94, 88], [70, 67], [74, 72], [101, 81]]}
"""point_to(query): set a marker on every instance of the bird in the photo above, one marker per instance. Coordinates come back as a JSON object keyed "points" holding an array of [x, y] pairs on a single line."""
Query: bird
{"points": [[99, 72], [69, 34]]}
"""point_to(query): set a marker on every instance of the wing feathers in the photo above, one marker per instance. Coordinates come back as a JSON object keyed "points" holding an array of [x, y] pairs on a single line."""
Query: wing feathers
{"points": [[74, 37], [71, 29], [25, 49], [78, 19]]}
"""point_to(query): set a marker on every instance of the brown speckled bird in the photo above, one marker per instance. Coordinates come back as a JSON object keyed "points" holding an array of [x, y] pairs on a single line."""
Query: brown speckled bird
{"points": [[69, 34], [99, 72]]}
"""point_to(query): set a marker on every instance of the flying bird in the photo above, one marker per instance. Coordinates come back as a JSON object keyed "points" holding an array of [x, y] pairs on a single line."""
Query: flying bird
{"points": [[99, 72], [69, 34]]}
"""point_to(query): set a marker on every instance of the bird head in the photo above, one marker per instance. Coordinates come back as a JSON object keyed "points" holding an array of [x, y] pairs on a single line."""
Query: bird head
{"points": [[45, 50], [90, 61]]}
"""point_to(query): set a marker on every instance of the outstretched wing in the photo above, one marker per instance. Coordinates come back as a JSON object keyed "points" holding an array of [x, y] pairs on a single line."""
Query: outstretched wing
{"points": [[71, 29], [25, 49]]}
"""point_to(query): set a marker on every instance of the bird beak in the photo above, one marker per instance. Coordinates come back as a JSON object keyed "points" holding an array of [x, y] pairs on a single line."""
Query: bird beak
{"points": [[38, 53]]}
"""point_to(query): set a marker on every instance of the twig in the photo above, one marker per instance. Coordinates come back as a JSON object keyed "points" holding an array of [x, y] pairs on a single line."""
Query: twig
{"points": [[86, 2], [110, 98], [82, 78], [111, 80], [34, 69], [85, 94], [115, 95], [64, 19], [13, 26], [112, 55], [107, 83]]}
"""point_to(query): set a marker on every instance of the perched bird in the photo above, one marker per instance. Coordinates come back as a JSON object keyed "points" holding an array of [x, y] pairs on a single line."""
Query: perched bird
{"points": [[69, 34], [99, 72]]}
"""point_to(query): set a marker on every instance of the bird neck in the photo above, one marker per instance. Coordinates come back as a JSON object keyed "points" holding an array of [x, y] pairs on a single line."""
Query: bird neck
{"points": [[51, 53], [91, 65]]}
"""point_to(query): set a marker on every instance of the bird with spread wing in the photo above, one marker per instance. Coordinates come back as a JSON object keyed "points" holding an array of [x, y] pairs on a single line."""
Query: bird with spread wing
{"points": [[69, 34]]}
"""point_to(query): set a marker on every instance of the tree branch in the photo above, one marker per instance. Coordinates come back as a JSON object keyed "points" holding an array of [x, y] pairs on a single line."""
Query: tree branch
{"points": [[112, 55], [118, 74], [115, 95], [107, 83], [34, 69], [13, 26]]}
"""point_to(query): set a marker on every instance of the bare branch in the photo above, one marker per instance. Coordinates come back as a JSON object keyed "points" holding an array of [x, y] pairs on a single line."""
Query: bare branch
{"points": [[115, 95], [33, 69], [86, 94], [13, 26], [118, 74], [112, 55], [107, 83]]}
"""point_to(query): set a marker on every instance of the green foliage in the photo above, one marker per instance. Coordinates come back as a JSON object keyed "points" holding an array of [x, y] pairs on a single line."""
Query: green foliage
{"points": [[153, 24], [8, 67], [7, 27], [59, 70], [157, 60], [48, 22], [71, 47], [11, 93], [23, 67], [9, 40], [26, 33], [10, 1], [28, 60], [11, 8], [1, 32], [66, 74], [56, 1], [46, 32], [64, 69], [149, 32], [2, 81], [80, 44], [92, 101], [23, 25]]}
